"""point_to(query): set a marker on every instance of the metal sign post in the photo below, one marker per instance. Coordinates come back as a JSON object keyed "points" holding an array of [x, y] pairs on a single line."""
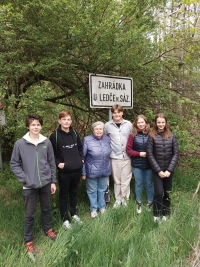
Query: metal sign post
{"points": [[109, 115]]}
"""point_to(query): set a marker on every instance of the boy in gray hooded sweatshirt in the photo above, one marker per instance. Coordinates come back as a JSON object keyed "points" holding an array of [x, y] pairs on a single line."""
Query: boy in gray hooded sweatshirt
{"points": [[33, 164]]}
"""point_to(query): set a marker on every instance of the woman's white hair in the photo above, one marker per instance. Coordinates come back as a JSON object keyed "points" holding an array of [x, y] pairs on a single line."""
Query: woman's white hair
{"points": [[97, 123]]}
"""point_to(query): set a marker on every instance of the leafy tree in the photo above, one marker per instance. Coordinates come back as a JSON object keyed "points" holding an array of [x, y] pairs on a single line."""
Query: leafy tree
{"points": [[48, 48]]}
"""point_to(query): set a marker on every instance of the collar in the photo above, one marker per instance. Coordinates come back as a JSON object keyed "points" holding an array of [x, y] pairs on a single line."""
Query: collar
{"points": [[112, 121], [28, 139], [61, 131]]}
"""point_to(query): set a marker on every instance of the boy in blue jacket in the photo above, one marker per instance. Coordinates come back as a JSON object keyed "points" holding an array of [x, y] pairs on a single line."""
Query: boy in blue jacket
{"points": [[33, 164]]}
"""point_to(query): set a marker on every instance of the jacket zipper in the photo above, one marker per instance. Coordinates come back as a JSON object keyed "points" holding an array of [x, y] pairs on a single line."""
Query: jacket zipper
{"points": [[102, 152], [143, 149], [38, 168], [37, 164]]}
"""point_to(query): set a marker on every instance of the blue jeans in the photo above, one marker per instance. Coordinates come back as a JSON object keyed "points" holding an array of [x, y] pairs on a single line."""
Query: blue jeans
{"points": [[143, 177], [96, 188]]}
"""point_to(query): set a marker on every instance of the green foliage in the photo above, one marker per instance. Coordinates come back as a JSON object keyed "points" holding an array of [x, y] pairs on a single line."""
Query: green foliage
{"points": [[48, 48]]}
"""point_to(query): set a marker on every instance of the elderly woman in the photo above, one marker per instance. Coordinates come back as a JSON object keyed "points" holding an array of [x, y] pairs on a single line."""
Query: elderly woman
{"points": [[96, 168]]}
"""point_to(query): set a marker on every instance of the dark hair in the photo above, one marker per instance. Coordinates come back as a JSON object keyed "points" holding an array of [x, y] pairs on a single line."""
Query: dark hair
{"points": [[117, 107], [167, 133], [32, 117], [63, 114], [135, 128]]}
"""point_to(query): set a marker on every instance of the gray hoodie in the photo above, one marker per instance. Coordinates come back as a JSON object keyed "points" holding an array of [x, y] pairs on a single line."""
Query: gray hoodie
{"points": [[33, 165]]}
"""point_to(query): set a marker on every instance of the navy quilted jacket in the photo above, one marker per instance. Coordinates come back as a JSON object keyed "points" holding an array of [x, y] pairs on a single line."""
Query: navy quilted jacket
{"points": [[162, 154], [140, 143]]}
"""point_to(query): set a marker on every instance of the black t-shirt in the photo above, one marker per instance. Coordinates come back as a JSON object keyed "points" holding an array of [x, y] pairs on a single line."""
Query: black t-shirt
{"points": [[118, 124]]}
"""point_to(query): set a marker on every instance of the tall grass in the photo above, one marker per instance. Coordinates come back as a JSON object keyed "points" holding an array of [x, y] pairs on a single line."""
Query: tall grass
{"points": [[120, 237]]}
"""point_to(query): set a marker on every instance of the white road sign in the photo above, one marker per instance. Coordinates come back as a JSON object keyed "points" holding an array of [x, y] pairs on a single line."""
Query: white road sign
{"points": [[106, 91]]}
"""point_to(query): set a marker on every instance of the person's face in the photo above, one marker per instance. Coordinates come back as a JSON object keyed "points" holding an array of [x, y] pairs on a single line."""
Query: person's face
{"points": [[117, 116], [141, 124], [98, 131], [65, 122], [35, 127], [160, 123]]}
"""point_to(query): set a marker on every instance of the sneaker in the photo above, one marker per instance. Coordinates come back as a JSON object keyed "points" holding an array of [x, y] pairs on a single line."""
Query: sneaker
{"points": [[30, 250], [51, 234], [77, 219], [139, 208], [66, 225], [149, 205], [156, 219], [117, 204], [124, 203], [102, 211], [164, 218], [94, 214]]}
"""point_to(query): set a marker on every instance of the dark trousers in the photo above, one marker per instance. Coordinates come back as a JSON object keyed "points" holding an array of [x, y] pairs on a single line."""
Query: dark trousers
{"points": [[30, 198], [161, 199], [68, 183]]}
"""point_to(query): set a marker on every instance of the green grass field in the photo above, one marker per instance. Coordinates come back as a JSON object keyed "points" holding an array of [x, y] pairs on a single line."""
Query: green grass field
{"points": [[117, 238]]}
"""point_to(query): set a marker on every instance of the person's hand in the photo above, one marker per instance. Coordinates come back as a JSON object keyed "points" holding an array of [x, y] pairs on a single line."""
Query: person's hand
{"points": [[161, 174], [83, 177], [167, 173], [53, 189], [61, 165], [143, 154]]}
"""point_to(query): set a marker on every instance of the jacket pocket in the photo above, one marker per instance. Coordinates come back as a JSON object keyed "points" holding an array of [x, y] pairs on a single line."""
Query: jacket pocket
{"points": [[28, 182], [93, 168]]}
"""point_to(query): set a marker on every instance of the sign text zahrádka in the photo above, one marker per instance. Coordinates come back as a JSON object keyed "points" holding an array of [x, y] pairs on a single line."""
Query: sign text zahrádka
{"points": [[111, 96]]}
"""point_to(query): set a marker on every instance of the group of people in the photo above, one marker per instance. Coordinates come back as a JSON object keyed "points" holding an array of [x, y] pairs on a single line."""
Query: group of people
{"points": [[119, 148]]}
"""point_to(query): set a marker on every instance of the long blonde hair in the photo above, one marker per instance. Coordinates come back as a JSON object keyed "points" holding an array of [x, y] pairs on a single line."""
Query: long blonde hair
{"points": [[135, 128]]}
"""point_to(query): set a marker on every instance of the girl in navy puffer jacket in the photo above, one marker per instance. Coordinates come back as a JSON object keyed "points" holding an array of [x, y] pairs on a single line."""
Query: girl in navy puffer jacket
{"points": [[136, 149]]}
